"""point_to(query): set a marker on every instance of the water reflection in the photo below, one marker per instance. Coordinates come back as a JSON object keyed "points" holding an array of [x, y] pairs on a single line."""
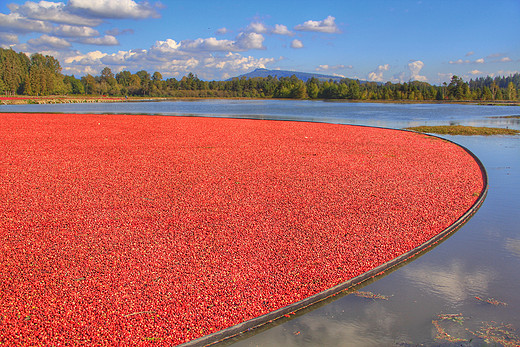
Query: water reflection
{"points": [[368, 324], [343, 329], [453, 283], [513, 246]]}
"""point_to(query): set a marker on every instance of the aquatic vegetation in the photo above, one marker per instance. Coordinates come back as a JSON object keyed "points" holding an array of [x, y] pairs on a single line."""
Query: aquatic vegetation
{"points": [[440, 326], [120, 229], [499, 334], [491, 301], [464, 130], [490, 332], [454, 317], [370, 295]]}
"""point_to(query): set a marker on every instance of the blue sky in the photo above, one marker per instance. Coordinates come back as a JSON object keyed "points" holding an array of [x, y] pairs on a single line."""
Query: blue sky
{"points": [[380, 41]]}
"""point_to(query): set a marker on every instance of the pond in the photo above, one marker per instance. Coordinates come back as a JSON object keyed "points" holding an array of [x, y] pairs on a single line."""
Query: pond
{"points": [[465, 289]]}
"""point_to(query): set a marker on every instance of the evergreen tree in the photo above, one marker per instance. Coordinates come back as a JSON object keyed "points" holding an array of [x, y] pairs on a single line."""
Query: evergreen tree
{"points": [[354, 92], [511, 91]]}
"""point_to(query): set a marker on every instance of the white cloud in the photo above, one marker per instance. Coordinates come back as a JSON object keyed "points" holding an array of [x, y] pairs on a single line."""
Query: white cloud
{"points": [[476, 72], [75, 31], [55, 12], [107, 40], [280, 29], [121, 58], [174, 67], [460, 61], [243, 42], [83, 70], [237, 62], [296, 44], [85, 59], [77, 18], [46, 42], [495, 58], [168, 58], [399, 77], [8, 38], [257, 27], [377, 75], [415, 67], [65, 23], [413, 74], [444, 77], [261, 28], [467, 61], [222, 31], [116, 31], [168, 46], [333, 67], [210, 58], [324, 26], [470, 53], [507, 72], [210, 44], [113, 9], [15, 22], [246, 41]]}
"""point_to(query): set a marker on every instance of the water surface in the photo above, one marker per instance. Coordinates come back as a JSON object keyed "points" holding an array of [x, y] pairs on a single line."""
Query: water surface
{"points": [[374, 114]]}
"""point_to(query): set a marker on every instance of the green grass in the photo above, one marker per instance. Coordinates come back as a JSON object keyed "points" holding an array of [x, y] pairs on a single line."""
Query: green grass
{"points": [[463, 130]]}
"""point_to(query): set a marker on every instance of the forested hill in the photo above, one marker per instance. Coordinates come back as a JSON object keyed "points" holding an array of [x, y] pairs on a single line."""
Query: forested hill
{"points": [[304, 76], [42, 75]]}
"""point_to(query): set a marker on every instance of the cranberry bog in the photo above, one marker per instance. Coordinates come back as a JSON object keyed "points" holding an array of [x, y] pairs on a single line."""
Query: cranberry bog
{"points": [[129, 229]]}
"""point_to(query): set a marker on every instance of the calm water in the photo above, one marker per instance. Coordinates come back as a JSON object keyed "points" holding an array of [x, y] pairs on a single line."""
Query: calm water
{"points": [[385, 115], [482, 259]]}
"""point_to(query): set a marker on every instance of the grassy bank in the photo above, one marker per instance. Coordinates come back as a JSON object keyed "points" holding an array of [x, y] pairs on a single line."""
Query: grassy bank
{"points": [[463, 130]]}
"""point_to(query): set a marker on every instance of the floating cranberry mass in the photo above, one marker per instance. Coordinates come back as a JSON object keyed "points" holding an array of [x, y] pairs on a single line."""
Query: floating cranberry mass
{"points": [[123, 229]]}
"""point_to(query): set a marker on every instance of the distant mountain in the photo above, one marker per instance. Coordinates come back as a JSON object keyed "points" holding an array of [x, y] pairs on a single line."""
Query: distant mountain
{"points": [[304, 76]]}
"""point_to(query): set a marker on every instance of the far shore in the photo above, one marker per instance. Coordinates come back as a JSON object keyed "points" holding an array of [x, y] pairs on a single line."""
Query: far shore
{"points": [[67, 99]]}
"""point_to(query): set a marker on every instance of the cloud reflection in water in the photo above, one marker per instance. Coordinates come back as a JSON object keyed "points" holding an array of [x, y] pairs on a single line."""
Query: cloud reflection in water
{"points": [[454, 283], [513, 246], [373, 325]]}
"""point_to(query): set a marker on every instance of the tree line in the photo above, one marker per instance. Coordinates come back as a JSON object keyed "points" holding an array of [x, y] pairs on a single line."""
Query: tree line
{"points": [[41, 75]]}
